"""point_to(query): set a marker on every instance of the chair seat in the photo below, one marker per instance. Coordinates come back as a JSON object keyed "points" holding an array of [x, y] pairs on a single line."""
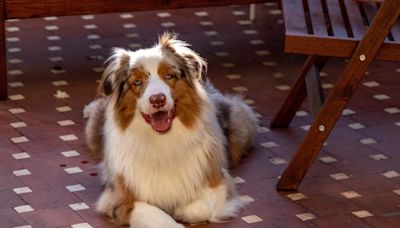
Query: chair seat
{"points": [[333, 28]]}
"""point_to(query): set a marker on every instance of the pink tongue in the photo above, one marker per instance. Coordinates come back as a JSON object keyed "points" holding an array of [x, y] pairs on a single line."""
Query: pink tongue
{"points": [[160, 121]]}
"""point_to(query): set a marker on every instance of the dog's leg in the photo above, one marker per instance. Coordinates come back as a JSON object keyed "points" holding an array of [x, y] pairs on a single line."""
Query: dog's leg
{"points": [[117, 202], [215, 205], [147, 216]]}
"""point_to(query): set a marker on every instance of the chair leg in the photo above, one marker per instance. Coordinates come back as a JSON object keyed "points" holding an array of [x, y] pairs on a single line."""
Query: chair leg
{"points": [[3, 67], [297, 94], [315, 92], [340, 95]]}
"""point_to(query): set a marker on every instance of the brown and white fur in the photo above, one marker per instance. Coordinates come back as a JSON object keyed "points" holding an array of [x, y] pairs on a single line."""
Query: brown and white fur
{"points": [[167, 138]]}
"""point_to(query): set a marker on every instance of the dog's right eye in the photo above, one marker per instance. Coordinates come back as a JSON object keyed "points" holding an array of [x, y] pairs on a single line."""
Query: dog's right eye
{"points": [[137, 82]]}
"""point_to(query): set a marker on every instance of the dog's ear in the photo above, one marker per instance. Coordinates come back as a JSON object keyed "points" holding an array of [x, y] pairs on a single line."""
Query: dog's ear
{"points": [[115, 73], [193, 66]]}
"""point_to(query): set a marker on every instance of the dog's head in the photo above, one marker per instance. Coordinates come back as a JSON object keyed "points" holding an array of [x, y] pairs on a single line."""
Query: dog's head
{"points": [[156, 84]]}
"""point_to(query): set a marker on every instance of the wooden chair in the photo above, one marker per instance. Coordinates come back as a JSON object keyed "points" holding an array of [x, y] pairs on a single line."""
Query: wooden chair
{"points": [[10, 9], [359, 30]]}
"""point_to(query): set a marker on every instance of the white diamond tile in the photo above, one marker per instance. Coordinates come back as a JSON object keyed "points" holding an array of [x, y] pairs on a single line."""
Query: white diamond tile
{"points": [[262, 52], [50, 18], [301, 113], [70, 153], [269, 144], [16, 110], [250, 32], [14, 50], [356, 126], [61, 94], [362, 214], [238, 13], [132, 35], [93, 37], [305, 216], [239, 89], [53, 38], [16, 97], [350, 194], [22, 155], [277, 161], [135, 45], [327, 85], [65, 123], [378, 157], [328, 159], [238, 180], [18, 124], [275, 12], [23, 209], [306, 127], [347, 112], [129, 25], [397, 124], [163, 14], [391, 174], [269, 63], [217, 43], [75, 188], [95, 46], [221, 53], [20, 139], [25, 226], [251, 219], [340, 176], [381, 97], [256, 42], [13, 29], [201, 13], [371, 84], [283, 87], [392, 110], [296, 196], [51, 27], [16, 84], [90, 26], [68, 137], [368, 141], [21, 172], [397, 191], [15, 61], [82, 225], [233, 76], [246, 198], [13, 39], [262, 129], [22, 190], [64, 109], [211, 33], [79, 206], [60, 83], [73, 170], [55, 59], [87, 17], [54, 48], [126, 15], [228, 65], [206, 23], [15, 72], [244, 22]]}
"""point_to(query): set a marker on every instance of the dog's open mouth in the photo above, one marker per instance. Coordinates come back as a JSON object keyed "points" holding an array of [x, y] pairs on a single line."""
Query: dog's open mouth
{"points": [[160, 121]]}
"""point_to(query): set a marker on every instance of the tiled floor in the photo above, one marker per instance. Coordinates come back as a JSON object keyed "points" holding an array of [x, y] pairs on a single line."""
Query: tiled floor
{"points": [[48, 180]]}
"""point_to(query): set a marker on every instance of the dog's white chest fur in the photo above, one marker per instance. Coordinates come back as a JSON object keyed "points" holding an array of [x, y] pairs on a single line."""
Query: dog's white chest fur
{"points": [[164, 170]]}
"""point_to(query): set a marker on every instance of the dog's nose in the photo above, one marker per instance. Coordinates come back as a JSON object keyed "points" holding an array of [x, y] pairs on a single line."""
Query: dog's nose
{"points": [[158, 100]]}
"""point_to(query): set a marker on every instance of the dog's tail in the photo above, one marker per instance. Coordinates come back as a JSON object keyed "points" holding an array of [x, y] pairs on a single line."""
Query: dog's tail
{"points": [[238, 121], [94, 127]]}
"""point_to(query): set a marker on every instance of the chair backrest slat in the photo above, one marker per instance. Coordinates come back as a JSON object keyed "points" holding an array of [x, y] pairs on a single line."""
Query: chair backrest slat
{"points": [[336, 18], [295, 22], [355, 19]]}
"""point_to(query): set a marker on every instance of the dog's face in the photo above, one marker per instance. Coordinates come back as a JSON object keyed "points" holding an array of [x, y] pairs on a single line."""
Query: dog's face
{"points": [[159, 84]]}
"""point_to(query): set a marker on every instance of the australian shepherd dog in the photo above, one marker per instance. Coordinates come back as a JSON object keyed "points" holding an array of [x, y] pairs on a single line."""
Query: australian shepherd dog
{"points": [[167, 138]]}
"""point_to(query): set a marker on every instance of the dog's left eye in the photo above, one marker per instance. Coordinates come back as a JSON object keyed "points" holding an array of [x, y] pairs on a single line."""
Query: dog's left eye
{"points": [[137, 82], [169, 76]]}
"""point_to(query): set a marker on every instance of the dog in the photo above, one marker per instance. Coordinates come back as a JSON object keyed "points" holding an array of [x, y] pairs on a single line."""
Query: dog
{"points": [[167, 138]]}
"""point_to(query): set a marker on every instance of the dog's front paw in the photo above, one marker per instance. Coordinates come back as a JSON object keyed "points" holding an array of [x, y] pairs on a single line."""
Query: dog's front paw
{"points": [[121, 214]]}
